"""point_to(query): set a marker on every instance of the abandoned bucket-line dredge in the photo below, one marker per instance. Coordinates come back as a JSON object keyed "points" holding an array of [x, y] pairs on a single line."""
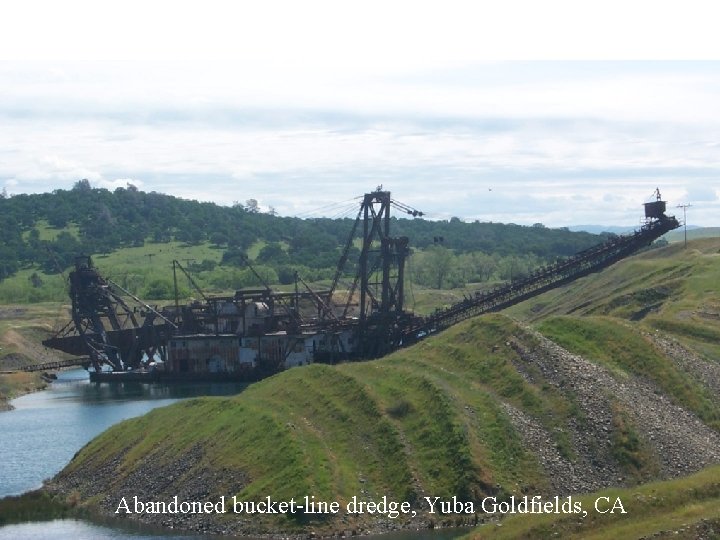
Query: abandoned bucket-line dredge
{"points": [[259, 332]]}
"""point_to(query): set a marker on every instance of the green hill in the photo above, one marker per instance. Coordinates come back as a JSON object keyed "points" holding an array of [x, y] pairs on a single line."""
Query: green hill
{"points": [[671, 292], [135, 235], [613, 386], [693, 234], [687, 508]]}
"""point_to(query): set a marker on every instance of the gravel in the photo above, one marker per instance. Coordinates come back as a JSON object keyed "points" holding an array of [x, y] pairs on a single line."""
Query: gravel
{"points": [[682, 443]]}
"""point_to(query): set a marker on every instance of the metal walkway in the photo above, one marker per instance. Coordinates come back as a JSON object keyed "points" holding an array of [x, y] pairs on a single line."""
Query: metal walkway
{"points": [[57, 364]]}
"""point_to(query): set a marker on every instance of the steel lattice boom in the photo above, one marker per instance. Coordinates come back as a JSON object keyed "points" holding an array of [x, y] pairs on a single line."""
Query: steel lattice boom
{"points": [[546, 278]]}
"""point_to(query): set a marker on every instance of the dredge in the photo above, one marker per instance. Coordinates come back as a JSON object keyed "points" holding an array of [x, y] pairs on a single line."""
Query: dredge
{"points": [[256, 333]]}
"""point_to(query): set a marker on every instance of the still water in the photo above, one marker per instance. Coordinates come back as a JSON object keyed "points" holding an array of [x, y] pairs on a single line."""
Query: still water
{"points": [[47, 428]]}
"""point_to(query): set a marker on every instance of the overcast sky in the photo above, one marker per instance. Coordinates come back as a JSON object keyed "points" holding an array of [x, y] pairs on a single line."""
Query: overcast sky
{"points": [[556, 112]]}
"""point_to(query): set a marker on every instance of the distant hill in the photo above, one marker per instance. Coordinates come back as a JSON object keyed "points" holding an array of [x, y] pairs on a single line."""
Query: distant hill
{"points": [[598, 229], [41, 234], [693, 233], [611, 381]]}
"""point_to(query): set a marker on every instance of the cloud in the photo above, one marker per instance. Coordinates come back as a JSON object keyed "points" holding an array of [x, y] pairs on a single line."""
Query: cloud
{"points": [[118, 183], [553, 140], [699, 193]]}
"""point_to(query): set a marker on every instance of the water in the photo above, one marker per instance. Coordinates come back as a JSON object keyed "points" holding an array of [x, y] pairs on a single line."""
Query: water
{"points": [[47, 428], [72, 529]]}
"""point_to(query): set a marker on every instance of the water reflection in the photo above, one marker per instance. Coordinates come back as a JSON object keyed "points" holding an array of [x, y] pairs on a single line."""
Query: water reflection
{"points": [[103, 393], [46, 428], [72, 529]]}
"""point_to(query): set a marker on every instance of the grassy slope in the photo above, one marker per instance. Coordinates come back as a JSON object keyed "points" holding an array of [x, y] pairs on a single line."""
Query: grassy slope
{"points": [[428, 421], [624, 350], [671, 289], [425, 421], [678, 235], [607, 318], [131, 267], [128, 267], [681, 508], [46, 232]]}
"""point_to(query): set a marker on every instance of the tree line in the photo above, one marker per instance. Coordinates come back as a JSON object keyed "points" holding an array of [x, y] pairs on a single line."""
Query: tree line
{"points": [[91, 220]]}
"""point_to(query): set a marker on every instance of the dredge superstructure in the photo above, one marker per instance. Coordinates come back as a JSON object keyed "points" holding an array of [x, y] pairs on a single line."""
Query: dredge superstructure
{"points": [[259, 332]]}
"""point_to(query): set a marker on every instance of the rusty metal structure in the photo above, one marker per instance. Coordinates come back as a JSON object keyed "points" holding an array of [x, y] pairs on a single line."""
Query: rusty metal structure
{"points": [[549, 277], [105, 328], [260, 331], [380, 275]]}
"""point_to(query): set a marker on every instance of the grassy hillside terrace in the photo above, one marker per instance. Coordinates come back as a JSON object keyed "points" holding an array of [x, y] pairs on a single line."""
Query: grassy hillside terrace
{"points": [[625, 392], [687, 508], [477, 410]]}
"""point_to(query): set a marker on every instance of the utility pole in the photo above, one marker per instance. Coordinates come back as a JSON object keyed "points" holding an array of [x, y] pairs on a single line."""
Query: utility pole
{"points": [[685, 207]]}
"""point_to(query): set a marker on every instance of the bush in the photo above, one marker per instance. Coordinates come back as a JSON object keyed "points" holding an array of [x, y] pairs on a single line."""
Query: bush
{"points": [[159, 289]]}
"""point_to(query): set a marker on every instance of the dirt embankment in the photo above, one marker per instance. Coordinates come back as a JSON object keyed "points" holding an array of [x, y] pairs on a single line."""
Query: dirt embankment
{"points": [[675, 439], [676, 443], [14, 385], [17, 350]]}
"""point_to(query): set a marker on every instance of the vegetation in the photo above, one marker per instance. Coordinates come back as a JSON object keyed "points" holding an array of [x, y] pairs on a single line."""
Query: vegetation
{"points": [[40, 235], [672, 284], [419, 422], [21, 330], [684, 508], [432, 420], [670, 292], [629, 449], [622, 349], [16, 384], [35, 506]]}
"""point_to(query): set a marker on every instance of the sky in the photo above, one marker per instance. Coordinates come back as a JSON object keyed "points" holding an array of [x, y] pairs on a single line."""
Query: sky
{"points": [[558, 112]]}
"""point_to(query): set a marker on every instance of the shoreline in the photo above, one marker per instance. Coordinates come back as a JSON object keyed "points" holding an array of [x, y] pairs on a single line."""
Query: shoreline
{"points": [[21, 383], [46, 504]]}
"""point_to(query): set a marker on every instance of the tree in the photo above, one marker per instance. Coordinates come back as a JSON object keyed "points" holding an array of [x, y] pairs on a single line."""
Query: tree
{"points": [[234, 257], [286, 275], [82, 185], [35, 280], [59, 215], [273, 253], [34, 238], [482, 266], [434, 265], [251, 205], [206, 265], [159, 289], [219, 238], [60, 253]]}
